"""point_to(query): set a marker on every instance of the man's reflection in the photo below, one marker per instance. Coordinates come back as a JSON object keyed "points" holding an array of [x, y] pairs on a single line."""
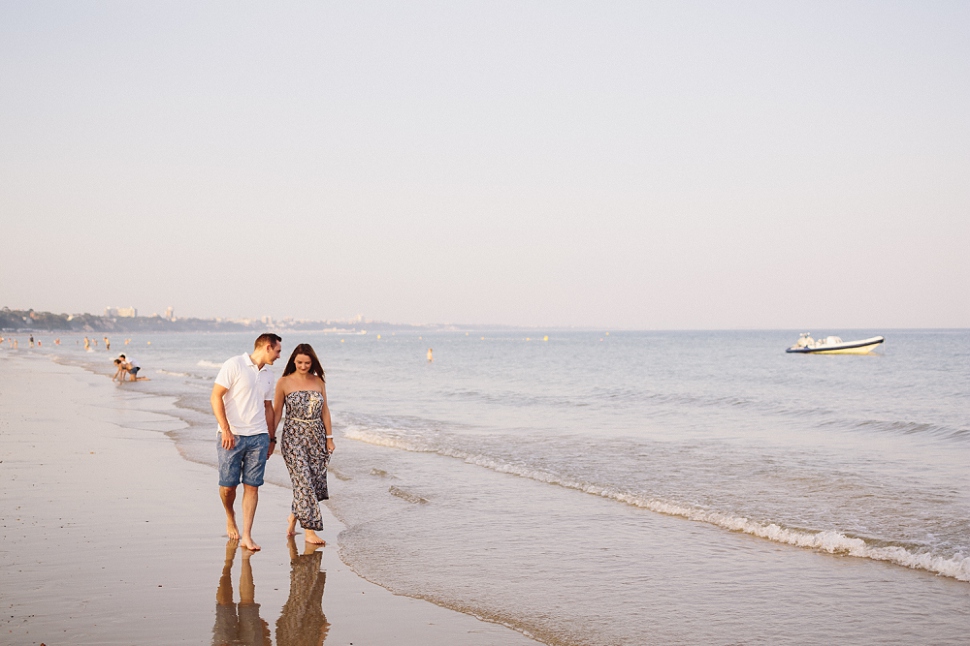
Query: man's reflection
{"points": [[238, 624], [302, 622]]}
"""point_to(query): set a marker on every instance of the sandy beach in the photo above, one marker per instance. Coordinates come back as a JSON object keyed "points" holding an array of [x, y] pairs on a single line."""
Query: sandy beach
{"points": [[109, 536]]}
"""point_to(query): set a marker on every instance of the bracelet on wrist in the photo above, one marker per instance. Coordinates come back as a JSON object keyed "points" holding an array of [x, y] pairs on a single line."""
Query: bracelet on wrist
{"points": [[329, 437]]}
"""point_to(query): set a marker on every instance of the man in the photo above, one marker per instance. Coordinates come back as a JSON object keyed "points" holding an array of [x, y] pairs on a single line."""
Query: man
{"points": [[242, 401], [131, 367]]}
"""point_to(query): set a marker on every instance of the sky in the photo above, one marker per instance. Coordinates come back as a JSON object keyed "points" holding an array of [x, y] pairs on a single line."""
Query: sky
{"points": [[620, 165]]}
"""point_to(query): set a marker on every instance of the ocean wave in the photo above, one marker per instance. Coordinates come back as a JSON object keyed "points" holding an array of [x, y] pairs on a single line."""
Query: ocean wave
{"points": [[830, 542], [173, 373], [410, 497], [204, 363], [913, 428]]}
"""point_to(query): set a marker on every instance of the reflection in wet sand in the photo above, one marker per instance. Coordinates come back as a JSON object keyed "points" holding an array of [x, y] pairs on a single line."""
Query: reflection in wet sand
{"points": [[302, 622], [238, 624]]}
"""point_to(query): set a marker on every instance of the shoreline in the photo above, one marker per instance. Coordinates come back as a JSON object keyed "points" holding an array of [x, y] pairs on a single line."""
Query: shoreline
{"points": [[555, 563], [110, 535]]}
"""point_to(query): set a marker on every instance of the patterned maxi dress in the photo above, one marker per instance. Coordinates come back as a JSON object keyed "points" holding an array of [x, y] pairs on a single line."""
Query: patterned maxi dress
{"points": [[304, 448]]}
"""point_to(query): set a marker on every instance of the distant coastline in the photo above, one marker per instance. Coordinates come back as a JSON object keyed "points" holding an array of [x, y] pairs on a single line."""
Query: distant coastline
{"points": [[33, 321]]}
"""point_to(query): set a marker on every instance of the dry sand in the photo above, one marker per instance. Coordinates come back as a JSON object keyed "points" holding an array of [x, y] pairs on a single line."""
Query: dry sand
{"points": [[108, 536]]}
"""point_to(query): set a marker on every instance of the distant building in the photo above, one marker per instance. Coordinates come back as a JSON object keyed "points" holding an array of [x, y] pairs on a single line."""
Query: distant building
{"points": [[170, 313], [121, 312]]}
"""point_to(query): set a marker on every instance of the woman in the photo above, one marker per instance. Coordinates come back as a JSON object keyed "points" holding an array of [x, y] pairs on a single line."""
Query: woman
{"points": [[307, 438]]}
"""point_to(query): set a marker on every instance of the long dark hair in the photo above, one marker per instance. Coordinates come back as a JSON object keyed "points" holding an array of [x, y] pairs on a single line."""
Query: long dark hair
{"points": [[315, 367]]}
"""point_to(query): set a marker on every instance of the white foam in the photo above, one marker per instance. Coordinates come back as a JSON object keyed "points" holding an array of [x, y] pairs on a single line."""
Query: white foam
{"points": [[208, 364], [830, 542], [173, 373]]}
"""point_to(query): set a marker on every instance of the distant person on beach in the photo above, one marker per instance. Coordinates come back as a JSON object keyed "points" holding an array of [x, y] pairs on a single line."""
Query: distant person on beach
{"points": [[31, 340], [119, 371], [307, 441], [107, 344], [430, 355], [87, 344], [131, 367], [242, 401]]}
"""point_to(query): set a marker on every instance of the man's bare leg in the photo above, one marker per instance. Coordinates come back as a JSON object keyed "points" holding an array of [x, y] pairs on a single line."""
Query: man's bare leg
{"points": [[224, 593], [247, 589], [249, 502], [228, 496]]}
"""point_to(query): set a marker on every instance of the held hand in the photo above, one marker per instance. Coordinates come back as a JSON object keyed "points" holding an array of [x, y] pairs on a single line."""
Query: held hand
{"points": [[228, 440], [330, 446], [272, 447]]}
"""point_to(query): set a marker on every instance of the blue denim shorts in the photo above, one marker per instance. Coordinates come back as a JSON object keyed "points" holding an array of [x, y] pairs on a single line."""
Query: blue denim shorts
{"points": [[245, 462]]}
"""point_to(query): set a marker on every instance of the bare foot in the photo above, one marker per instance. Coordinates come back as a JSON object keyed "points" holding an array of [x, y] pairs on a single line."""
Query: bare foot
{"points": [[310, 548], [310, 536], [291, 525], [249, 544], [231, 528]]}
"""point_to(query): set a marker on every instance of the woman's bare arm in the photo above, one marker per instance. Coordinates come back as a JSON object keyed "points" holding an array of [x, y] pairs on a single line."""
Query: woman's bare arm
{"points": [[278, 404]]}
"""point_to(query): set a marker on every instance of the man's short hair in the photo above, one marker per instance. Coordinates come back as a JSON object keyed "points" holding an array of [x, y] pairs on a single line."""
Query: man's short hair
{"points": [[267, 338]]}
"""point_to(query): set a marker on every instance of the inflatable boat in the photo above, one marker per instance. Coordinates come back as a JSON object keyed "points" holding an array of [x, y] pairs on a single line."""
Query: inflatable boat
{"points": [[834, 345]]}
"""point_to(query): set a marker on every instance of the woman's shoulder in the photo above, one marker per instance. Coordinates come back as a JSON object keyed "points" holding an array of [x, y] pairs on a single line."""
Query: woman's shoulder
{"points": [[287, 384]]}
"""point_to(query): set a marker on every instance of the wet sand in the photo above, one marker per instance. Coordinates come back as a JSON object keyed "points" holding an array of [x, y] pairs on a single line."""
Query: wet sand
{"points": [[108, 536]]}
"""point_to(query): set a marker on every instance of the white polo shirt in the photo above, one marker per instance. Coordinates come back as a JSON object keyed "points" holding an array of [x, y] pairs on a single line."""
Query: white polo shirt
{"points": [[249, 386]]}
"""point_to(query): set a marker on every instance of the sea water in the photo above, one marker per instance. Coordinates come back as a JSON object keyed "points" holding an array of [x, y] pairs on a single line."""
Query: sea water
{"points": [[587, 487]]}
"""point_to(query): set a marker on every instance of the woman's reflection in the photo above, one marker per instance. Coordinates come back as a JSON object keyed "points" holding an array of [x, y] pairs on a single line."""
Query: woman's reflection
{"points": [[302, 622], [238, 624]]}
